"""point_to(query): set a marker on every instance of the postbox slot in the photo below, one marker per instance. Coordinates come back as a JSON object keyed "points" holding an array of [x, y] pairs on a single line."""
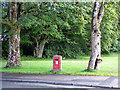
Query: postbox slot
{"points": [[56, 59]]}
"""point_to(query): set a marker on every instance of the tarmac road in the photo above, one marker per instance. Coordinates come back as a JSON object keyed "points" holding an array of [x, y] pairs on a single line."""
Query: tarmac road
{"points": [[9, 84], [16, 80]]}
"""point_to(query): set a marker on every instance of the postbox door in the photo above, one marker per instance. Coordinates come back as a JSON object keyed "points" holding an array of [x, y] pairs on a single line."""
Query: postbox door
{"points": [[56, 63]]}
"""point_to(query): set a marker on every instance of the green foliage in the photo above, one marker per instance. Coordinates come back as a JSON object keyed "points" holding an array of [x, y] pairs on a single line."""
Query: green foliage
{"points": [[64, 49], [109, 29], [5, 49], [65, 26]]}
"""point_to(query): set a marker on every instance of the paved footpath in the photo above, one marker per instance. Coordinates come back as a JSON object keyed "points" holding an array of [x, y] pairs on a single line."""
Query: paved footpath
{"points": [[69, 80]]}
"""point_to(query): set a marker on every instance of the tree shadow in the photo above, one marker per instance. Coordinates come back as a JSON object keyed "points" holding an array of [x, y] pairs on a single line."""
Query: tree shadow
{"points": [[54, 72], [86, 70]]}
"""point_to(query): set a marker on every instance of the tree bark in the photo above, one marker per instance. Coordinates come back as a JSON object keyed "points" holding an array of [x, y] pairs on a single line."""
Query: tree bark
{"points": [[14, 40], [14, 51], [95, 58], [38, 50]]}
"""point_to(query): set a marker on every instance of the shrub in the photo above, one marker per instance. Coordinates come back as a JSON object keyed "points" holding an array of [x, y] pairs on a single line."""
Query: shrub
{"points": [[64, 49]]}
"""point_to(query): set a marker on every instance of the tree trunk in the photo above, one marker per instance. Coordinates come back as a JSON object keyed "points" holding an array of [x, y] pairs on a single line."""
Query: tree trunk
{"points": [[14, 40], [95, 58], [38, 50], [14, 51]]}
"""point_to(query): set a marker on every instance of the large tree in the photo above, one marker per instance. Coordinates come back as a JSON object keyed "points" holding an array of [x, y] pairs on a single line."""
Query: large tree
{"points": [[14, 40], [52, 22], [14, 10], [98, 14], [42, 29]]}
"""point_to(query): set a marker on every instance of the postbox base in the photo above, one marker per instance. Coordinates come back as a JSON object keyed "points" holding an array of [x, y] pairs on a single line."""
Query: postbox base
{"points": [[56, 70]]}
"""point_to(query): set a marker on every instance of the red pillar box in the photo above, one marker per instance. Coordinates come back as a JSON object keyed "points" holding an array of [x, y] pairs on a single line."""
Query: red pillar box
{"points": [[57, 63]]}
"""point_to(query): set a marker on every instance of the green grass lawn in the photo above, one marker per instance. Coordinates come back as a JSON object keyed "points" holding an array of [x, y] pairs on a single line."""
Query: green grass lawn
{"points": [[109, 66]]}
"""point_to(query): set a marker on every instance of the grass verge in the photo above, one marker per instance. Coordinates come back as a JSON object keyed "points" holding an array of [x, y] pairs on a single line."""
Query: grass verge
{"points": [[109, 66]]}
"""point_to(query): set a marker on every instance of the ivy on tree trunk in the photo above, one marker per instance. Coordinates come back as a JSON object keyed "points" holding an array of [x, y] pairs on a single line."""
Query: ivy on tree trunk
{"points": [[98, 14], [14, 40]]}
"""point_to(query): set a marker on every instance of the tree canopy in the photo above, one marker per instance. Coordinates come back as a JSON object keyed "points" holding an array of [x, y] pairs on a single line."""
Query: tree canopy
{"points": [[65, 28]]}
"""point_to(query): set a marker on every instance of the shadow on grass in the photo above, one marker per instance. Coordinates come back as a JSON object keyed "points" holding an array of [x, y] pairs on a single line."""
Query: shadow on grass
{"points": [[54, 72], [86, 70], [13, 67]]}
